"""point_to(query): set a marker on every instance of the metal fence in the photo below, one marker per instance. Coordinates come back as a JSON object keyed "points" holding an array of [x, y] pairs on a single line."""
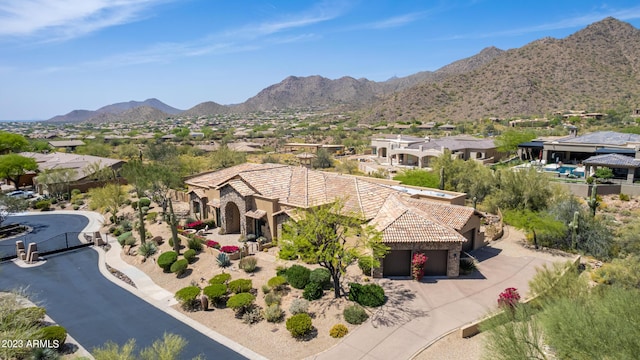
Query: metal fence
{"points": [[59, 243]]}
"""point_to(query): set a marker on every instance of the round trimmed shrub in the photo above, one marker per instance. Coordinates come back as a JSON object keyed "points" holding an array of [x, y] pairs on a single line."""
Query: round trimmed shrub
{"points": [[355, 314], [299, 325], [371, 295], [165, 260], [240, 302], [215, 292], [273, 313], [53, 334], [179, 267], [123, 237], [130, 241], [313, 291], [220, 279], [272, 298], [338, 331], [240, 286], [298, 276], [43, 205], [190, 255], [277, 282], [144, 202], [188, 298], [321, 276]]}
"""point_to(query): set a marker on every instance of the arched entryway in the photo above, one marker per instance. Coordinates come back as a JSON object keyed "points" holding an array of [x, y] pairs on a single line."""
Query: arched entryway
{"points": [[232, 218]]}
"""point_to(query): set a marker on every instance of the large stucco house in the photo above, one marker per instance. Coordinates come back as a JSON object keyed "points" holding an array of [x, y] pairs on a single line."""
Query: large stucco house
{"points": [[259, 198], [415, 151]]}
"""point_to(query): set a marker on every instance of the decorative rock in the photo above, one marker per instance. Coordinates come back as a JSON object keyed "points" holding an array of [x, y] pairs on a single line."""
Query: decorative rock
{"points": [[204, 303], [142, 259]]}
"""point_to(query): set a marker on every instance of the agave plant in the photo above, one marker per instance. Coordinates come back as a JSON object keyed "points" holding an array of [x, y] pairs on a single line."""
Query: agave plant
{"points": [[223, 261]]}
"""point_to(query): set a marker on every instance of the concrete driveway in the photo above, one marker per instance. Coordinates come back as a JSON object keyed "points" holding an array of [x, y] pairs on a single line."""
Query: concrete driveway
{"points": [[418, 313]]}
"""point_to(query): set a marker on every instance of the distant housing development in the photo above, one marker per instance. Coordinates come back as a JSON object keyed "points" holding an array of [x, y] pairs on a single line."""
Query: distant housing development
{"points": [[416, 151], [259, 198]]}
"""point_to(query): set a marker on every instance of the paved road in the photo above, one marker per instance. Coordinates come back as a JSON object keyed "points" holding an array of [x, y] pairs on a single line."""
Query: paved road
{"points": [[94, 310], [46, 226]]}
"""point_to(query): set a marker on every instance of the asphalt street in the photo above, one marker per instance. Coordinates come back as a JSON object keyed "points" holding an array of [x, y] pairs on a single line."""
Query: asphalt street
{"points": [[92, 308]]}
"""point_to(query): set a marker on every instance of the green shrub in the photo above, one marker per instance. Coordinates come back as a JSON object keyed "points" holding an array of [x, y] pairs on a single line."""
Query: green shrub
{"points": [[43, 205], [299, 306], [123, 237], [54, 334], [355, 314], [467, 266], [281, 271], [33, 315], [215, 292], [75, 192], [134, 205], [299, 325], [188, 298], [366, 263], [272, 298], [313, 291], [194, 244], [79, 202], [249, 264], [338, 331], [147, 249], [220, 279], [273, 313], [165, 260], [298, 276], [179, 267], [624, 197], [76, 207], [252, 315], [321, 276], [240, 286], [287, 254], [130, 241], [144, 209], [371, 295], [190, 255], [152, 216], [277, 282], [240, 302], [144, 202]]}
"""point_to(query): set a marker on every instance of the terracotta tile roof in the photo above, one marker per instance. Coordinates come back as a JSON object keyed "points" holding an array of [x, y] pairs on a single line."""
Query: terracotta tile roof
{"points": [[400, 222], [256, 214], [450, 215], [216, 178], [199, 193], [242, 188]]}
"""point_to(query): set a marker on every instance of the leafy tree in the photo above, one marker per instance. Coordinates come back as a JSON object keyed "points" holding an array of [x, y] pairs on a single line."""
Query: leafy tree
{"points": [[12, 166], [10, 205], [94, 148], [348, 167], [129, 151], [57, 182], [10, 142], [224, 157], [327, 233], [191, 165], [508, 141], [323, 159], [520, 190], [110, 196]]}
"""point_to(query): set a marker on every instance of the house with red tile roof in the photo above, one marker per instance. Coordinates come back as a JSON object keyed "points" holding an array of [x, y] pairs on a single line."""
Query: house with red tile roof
{"points": [[259, 198]]}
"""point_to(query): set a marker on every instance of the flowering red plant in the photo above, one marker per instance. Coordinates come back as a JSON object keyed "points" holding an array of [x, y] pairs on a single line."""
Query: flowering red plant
{"points": [[509, 298], [212, 244], [417, 265], [229, 249], [195, 225]]}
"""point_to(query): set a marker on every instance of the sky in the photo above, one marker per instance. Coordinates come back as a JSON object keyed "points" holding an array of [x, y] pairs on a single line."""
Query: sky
{"points": [[61, 55]]}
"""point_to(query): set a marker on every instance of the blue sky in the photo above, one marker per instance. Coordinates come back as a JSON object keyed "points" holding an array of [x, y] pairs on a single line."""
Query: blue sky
{"points": [[61, 55]]}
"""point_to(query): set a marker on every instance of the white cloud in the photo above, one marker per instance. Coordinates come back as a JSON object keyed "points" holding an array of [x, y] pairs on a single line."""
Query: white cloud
{"points": [[54, 20], [396, 21]]}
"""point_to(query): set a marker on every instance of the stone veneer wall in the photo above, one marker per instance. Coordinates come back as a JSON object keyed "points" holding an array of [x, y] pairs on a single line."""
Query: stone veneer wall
{"points": [[453, 254], [227, 195]]}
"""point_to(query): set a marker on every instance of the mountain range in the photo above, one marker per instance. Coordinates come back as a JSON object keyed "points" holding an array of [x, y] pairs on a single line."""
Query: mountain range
{"points": [[594, 69]]}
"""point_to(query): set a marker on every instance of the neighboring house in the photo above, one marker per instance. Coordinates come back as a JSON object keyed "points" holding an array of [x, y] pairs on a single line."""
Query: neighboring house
{"points": [[419, 152], [85, 167], [68, 145], [312, 148], [259, 198]]}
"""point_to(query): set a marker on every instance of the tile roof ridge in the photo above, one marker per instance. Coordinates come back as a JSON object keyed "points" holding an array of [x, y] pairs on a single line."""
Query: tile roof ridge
{"points": [[306, 186], [360, 206]]}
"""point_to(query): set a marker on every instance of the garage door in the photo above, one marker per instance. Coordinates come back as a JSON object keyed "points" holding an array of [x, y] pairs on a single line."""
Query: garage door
{"points": [[397, 263], [436, 263]]}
